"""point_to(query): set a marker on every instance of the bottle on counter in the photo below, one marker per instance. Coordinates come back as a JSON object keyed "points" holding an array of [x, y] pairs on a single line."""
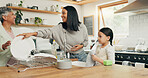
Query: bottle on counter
{"points": [[53, 46], [60, 54]]}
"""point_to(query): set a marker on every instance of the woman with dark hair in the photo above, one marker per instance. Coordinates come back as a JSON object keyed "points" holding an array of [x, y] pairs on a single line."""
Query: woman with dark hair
{"points": [[71, 34], [7, 34]]}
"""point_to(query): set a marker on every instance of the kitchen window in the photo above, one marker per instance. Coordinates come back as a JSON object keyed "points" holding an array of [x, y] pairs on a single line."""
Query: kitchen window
{"points": [[119, 23]]}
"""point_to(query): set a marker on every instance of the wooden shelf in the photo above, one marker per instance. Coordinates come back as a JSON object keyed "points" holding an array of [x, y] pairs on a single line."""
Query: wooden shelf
{"points": [[33, 10], [35, 25], [79, 2]]}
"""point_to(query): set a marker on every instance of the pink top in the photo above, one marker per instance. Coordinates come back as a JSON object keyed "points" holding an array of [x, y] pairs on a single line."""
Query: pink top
{"points": [[11, 34], [12, 60]]}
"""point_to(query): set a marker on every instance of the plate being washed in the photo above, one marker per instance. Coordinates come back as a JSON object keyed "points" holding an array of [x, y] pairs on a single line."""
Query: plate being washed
{"points": [[21, 49]]}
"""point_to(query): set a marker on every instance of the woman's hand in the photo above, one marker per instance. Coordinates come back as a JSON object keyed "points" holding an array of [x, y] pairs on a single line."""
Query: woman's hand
{"points": [[76, 47], [26, 35], [4, 46]]}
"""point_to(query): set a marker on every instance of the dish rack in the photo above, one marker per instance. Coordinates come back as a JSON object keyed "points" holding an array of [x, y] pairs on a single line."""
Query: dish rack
{"points": [[32, 62]]}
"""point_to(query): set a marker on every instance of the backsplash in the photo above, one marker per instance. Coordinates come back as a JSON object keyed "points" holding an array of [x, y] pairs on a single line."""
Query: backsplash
{"points": [[138, 28]]}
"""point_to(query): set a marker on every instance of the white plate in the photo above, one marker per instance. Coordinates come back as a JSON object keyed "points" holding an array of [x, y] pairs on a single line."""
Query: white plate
{"points": [[45, 55], [21, 49]]}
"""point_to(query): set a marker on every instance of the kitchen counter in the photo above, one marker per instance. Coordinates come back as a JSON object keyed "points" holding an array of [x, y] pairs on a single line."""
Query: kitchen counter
{"points": [[132, 52], [115, 71]]}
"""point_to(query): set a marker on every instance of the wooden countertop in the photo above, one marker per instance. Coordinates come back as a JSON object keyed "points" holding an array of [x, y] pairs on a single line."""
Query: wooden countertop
{"points": [[115, 71]]}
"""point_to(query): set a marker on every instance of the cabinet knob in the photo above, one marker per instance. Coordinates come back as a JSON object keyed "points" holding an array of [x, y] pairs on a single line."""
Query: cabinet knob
{"points": [[143, 58], [128, 57]]}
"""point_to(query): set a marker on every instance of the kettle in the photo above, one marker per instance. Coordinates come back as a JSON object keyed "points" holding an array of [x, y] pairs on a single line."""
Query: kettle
{"points": [[140, 45], [140, 48]]}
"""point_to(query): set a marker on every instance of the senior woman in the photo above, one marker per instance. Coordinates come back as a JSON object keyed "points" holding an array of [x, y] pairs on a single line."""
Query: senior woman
{"points": [[70, 33], [7, 34]]}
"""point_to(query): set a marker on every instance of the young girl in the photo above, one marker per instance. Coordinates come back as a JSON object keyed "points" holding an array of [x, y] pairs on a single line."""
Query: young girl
{"points": [[104, 51]]}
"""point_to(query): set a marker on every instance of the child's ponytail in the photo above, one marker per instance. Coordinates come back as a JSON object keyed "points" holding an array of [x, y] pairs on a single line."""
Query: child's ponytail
{"points": [[111, 43]]}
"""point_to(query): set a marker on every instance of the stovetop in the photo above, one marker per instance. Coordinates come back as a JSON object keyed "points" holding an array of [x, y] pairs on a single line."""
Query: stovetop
{"points": [[132, 51]]}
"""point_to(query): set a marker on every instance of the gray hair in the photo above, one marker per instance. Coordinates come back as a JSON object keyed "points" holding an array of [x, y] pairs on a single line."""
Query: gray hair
{"points": [[4, 12]]}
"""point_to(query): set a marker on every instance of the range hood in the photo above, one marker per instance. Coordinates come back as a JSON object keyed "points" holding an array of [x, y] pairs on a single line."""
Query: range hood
{"points": [[138, 6]]}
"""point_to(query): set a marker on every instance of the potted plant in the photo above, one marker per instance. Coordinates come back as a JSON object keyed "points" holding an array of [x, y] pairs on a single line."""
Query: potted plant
{"points": [[18, 18], [38, 20], [21, 4]]}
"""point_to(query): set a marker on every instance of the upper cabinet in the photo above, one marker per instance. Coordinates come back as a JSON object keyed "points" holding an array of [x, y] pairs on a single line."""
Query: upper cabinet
{"points": [[33, 10]]}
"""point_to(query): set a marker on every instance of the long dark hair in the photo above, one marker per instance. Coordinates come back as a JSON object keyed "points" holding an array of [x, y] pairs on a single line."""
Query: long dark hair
{"points": [[108, 32], [72, 19]]}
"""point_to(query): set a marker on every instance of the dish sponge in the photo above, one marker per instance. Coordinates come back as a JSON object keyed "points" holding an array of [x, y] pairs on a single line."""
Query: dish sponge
{"points": [[107, 62]]}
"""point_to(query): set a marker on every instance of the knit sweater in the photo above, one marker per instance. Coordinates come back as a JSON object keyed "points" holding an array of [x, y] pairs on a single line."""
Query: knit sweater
{"points": [[60, 35]]}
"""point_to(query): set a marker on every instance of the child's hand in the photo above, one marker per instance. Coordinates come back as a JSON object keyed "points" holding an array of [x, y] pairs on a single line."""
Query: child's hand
{"points": [[95, 58]]}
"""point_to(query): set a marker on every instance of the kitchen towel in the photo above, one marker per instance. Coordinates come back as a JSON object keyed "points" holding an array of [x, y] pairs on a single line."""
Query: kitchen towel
{"points": [[89, 61]]}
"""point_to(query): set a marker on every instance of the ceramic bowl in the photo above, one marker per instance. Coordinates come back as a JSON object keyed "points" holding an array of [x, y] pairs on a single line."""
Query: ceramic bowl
{"points": [[64, 64]]}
